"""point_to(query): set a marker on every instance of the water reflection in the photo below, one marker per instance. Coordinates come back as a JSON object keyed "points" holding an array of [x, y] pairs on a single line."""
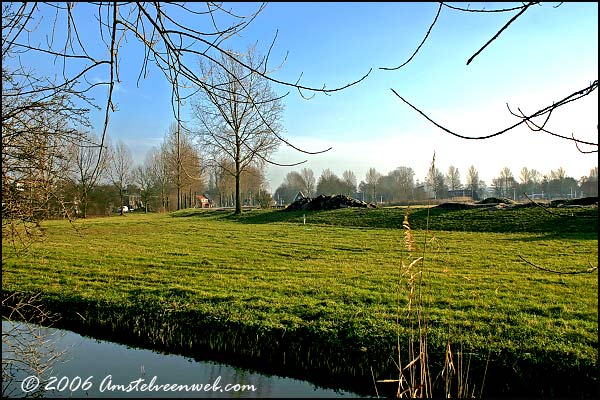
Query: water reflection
{"points": [[86, 367]]}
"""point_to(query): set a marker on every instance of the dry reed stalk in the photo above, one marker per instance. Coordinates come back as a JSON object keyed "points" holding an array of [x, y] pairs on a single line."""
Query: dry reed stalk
{"points": [[414, 379]]}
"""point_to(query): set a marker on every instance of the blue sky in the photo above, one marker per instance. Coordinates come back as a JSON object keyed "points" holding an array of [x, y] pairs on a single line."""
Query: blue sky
{"points": [[544, 55]]}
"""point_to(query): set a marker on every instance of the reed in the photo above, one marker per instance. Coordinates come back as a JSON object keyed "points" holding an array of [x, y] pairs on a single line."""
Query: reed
{"points": [[416, 375]]}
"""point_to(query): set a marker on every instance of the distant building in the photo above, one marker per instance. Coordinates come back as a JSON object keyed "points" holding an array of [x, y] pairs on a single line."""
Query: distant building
{"points": [[203, 202], [134, 201], [459, 193], [299, 196]]}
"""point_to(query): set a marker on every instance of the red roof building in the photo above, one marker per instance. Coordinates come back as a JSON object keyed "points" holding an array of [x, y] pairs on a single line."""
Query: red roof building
{"points": [[202, 201]]}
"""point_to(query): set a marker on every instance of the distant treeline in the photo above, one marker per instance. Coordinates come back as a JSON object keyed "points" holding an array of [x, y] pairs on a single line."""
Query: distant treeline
{"points": [[399, 185]]}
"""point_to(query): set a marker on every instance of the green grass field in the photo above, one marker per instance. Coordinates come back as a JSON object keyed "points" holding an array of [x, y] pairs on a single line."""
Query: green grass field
{"points": [[330, 286]]}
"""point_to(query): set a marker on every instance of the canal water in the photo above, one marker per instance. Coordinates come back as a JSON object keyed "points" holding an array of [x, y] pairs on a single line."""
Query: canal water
{"points": [[71, 365]]}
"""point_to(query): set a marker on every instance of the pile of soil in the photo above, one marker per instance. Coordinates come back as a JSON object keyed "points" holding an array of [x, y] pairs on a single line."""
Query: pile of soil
{"points": [[503, 203], [455, 206], [496, 200], [585, 201], [324, 202], [490, 202]]}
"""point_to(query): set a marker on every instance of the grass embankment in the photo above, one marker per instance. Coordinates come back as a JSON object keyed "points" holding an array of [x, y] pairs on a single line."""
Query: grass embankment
{"points": [[323, 296]]}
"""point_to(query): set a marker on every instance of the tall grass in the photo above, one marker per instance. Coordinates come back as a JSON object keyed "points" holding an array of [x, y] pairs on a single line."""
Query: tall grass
{"points": [[415, 379]]}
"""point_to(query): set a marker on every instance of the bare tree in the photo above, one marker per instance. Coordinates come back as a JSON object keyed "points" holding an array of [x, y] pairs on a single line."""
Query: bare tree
{"points": [[349, 179], [158, 169], [372, 180], [224, 183], [252, 187], [291, 185], [508, 180], [589, 184], [38, 119], [308, 177], [294, 182], [161, 30], [400, 183], [436, 182], [330, 184], [473, 182], [558, 178], [120, 170], [241, 121], [525, 176], [34, 171], [183, 160], [87, 166], [253, 183], [453, 178], [530, 181], [143, 177], [505, 183]]}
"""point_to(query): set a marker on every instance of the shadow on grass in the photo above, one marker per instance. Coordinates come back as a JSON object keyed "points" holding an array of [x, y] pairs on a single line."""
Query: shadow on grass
{"points": [[577, 224], [269, 216], [200, 213], [544, 236], [246, 217]]}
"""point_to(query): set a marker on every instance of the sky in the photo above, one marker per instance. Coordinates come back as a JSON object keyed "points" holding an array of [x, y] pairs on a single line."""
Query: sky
{"points": [[548, 53]]}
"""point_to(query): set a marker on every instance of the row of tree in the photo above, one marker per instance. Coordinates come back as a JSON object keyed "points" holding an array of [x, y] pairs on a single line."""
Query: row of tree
{"points": [[90, 178], [97, 180], [399, 185]]}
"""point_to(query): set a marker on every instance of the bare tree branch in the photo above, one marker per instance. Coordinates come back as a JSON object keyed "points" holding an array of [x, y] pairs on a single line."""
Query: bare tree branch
{"points": [[513, 19], [483, 10], [541, 128], [524, 119], [579, 149], [583, 271], [422, 43]]}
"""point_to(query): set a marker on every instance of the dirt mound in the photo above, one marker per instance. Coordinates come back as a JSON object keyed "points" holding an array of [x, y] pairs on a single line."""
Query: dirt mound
{"points": [[585, 201], [496, 200], [456, 206], [324, 202]]}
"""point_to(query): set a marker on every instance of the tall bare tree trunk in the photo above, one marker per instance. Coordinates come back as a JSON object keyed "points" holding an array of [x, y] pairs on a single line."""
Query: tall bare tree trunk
{"points": [[238, 192], [121, 196], [178, 160], [84, 202]]}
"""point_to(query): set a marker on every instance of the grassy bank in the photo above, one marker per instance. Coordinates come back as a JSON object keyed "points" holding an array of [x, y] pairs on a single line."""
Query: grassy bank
{"points": [[323, 295]]}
